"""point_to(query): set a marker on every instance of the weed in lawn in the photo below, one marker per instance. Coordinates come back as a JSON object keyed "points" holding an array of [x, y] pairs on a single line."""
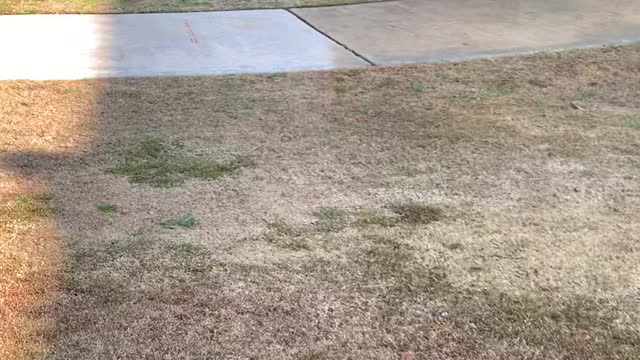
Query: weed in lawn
{"points": [[331, 219], [283, 229], [107, 208], [407, 170], [417, 88], [375, 218], [159, 164], [289, 243], [286, 237], [466, 96], [277, 75], [413, 213], [330, 214], [635, 124], [500, 90], [188, 221], [586, 95], [186, 249], [362, 111], [25, 209]]}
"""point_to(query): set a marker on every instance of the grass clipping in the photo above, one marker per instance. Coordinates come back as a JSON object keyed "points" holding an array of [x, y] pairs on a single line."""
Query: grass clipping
{"points": [[159, 164]]}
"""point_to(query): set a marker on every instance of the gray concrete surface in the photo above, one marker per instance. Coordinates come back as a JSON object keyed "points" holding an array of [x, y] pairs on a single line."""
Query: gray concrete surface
{"points": [[44, 47], [409, 31]]}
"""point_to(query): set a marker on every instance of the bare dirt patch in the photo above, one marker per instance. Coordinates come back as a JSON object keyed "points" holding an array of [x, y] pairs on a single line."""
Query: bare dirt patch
{"points": [[477, 215]]}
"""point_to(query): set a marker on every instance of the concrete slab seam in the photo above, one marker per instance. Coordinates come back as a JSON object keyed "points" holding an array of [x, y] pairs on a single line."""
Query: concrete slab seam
{"points": [[360, 56]]}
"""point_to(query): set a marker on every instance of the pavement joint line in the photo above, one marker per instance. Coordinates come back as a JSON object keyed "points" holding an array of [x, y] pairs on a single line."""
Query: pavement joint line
{"points": [[302, 38], [360, 56]]}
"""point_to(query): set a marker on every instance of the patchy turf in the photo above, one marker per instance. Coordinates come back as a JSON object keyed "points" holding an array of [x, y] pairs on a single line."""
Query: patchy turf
{"points": [[490, 212], [107, 208], [24, 209], [187, 221], [146, 6], [417, 213], [157, 163]]}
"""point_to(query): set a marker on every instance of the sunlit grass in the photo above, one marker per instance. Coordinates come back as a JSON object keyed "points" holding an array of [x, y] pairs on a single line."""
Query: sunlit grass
{"points": [[144, 6]]}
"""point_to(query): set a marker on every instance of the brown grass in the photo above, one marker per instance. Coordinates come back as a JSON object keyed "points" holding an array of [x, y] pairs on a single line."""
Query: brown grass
{"points": [[37, 123], [461, 221], [150, 6], [28, 258]]}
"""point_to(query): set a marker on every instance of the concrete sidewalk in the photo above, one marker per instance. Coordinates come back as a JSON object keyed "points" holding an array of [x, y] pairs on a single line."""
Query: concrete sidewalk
{"points": [[44, 47], [412, 31]]}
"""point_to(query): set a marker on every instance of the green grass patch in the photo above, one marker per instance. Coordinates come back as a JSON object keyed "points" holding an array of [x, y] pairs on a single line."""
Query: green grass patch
{"points": [[107, 208], [374, 218], [417, 87], [408, 170], [25, 209], [186, 249], [331, 219], [586, 95], [441, 76], [501, 90], [160, 164], [187, 222], [413, 213], [331, 214], [286, 237]]}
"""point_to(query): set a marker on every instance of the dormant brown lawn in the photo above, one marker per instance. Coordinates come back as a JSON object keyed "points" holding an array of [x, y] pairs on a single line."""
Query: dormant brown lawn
{"points": [[144, 6], [477, 210]]}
